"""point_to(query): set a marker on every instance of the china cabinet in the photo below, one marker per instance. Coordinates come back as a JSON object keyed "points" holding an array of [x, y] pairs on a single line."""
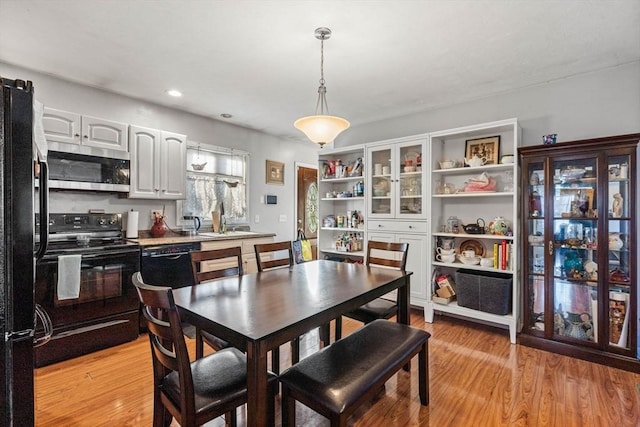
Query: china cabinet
{"points": [[396, 179], [473, 222], [580, 256], [341, 188]]}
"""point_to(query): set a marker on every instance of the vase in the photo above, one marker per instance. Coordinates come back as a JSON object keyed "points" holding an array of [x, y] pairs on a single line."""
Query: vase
{"points": [[573, 264], [159, 228]]}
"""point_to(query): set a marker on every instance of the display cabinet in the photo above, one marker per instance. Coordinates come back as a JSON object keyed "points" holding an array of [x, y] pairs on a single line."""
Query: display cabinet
{"points": [[474, 211], [342, 207], [580, 255], [396, 179]]}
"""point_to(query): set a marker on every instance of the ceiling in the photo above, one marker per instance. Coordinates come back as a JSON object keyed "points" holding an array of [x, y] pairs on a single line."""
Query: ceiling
{"points": [[259, 60]]}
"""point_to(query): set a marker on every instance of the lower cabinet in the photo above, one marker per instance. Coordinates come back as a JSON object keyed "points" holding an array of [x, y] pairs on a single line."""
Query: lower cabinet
{"points": [[249, 264], [415, 234]]}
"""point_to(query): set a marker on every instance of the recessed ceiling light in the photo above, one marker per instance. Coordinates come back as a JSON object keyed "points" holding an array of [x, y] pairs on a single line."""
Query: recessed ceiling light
{"points": [[226, 115], [174, 92]]}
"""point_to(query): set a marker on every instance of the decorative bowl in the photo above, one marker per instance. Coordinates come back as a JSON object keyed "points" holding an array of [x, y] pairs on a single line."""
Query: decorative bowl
{"points": [[447, 164]]}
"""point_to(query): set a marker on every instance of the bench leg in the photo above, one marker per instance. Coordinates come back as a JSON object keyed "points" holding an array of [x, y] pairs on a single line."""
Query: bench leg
{"points": [[338, 328], [295, 351], [423, 373], [288, 409]]}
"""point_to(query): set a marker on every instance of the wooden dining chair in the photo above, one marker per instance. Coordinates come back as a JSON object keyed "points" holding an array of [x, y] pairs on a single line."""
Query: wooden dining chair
{"points": [[386, 254], [229, 261], [272, 255], [268, 257], [191, 392]]}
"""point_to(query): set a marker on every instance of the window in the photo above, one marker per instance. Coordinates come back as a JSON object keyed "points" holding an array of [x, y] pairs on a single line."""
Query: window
{"points": [[216, 181]]}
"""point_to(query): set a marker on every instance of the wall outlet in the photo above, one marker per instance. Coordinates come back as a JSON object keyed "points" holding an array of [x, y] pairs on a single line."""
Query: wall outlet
{"points": [[283, 218], [154, 214], [256, 219]]}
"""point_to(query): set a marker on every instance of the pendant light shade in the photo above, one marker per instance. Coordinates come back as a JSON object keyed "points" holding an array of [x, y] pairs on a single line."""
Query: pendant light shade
{"points": [[321, 128]]}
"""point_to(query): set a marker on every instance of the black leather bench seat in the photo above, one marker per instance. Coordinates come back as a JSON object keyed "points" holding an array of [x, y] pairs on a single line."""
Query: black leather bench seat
{"points": [[336, 380]]}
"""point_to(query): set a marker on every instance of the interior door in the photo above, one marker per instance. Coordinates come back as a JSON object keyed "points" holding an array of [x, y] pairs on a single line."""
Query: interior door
{"points": [[307, 204]]}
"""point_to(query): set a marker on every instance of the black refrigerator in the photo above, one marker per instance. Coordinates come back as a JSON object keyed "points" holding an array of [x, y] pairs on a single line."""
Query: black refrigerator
{"points": [[17, 255]]}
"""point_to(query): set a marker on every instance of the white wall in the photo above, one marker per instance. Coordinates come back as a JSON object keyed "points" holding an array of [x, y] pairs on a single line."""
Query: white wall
{"points": [[586, 106], [64, 95]]}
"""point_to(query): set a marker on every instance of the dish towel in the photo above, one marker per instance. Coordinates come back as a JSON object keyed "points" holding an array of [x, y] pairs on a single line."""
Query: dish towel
{"points": [[69, 276]]}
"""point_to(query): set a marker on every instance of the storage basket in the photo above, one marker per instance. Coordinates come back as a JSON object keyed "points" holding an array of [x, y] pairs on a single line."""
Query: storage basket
{"points": [[484, 291]]}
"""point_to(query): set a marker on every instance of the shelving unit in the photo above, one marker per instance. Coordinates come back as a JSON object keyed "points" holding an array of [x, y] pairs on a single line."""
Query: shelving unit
{"points": [[580, 217], [341, 193], [449, 200]]}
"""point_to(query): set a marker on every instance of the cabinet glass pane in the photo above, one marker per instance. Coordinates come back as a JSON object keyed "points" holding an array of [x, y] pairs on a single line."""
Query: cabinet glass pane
{"points": [[411, 193], [575, 310], [535, 257], [381, 181]]}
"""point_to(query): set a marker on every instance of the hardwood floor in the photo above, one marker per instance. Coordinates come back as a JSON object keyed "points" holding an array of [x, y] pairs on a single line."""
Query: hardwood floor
{"points": [[477, 378]]}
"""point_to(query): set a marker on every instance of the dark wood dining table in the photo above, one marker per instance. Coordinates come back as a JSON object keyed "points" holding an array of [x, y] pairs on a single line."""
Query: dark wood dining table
{"points": [[259, 312]]}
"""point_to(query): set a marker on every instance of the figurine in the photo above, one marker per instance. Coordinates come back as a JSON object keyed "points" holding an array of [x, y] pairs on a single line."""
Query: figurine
{"points": [[616, 207]]}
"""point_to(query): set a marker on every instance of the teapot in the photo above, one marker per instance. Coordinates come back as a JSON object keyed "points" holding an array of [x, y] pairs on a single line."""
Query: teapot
{"points": [[477, 228], [475, 161], [499, 226]]}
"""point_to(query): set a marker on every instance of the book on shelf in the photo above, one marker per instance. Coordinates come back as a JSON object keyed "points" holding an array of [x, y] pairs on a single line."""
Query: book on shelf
{"points": [[502, 255]]}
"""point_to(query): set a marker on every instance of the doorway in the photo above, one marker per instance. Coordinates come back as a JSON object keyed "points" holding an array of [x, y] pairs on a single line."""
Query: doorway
{"points": [[307, 203]]}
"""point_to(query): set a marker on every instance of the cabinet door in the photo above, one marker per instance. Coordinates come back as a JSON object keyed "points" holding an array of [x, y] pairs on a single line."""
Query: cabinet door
{"points": [[61, 126], [381, 186], [416, 262], [145, 158], [106, 134], [410, 202], [173, 164]]}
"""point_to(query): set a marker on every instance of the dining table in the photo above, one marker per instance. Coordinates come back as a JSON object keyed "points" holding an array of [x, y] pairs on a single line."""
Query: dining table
{"points": [[259, 312]]}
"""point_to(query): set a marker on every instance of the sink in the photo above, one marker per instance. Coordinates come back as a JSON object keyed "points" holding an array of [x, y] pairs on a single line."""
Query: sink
{"points": [[228, 233]]}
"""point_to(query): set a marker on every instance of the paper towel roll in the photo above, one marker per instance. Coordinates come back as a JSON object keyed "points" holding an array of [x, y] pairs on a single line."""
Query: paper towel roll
{"points": [[132, 225]]}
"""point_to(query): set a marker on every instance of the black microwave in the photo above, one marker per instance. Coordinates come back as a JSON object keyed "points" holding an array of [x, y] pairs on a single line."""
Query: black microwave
{"points": [[73, 171]]}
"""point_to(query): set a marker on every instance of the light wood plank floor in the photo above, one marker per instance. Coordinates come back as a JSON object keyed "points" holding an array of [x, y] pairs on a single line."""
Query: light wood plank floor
{"points": [[477, 378]]}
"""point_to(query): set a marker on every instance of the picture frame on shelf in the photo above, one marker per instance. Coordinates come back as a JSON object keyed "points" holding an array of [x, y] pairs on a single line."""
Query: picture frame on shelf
{"points": [[274, 172], [487, 148]]}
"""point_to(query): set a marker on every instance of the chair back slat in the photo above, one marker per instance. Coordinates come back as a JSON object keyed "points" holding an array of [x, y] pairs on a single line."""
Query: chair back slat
{"points": [[387, 254], [233, 255], [265, 253]]}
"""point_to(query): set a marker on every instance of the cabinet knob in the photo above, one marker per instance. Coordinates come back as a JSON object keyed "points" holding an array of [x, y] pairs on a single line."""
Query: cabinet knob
{"points": [[86, 136], [77, 135]]}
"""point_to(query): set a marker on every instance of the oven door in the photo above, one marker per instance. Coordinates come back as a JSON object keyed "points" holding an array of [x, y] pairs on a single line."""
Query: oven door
{"points": [[104, 314]]}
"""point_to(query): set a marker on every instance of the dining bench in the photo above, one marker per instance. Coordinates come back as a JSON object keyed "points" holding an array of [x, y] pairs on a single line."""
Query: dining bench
{"points": [[342, 376]]}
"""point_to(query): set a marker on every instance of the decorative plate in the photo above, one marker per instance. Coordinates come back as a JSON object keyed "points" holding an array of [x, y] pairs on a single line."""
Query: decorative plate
{"points": [[475, 245]]}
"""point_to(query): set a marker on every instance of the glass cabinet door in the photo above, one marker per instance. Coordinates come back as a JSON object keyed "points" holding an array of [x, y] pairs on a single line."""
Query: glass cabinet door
{"points": [[410, 197], [536, 248], [381, 186], [618, 262], [574, 252]]}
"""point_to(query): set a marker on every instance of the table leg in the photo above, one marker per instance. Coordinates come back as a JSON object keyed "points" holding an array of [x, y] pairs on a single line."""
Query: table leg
{"points": [[257, 392], [403, 307]]}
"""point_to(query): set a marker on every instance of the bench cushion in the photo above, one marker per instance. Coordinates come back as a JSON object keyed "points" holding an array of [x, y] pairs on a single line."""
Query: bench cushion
{"points": [[336, 376]]}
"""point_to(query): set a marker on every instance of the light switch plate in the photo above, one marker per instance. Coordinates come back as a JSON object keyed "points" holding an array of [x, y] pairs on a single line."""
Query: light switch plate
{"points": [[283, 218]]}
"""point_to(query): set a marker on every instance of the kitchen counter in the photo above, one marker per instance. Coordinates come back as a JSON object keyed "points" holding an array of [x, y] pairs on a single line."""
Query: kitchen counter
{"points": [[174, 238]]}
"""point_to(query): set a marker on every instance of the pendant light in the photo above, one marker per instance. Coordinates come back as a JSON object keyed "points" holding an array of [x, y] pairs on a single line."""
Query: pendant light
{"points": [[321, 128]]}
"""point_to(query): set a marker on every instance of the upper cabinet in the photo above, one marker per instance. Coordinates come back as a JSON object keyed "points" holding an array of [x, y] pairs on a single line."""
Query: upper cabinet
{"points": [[396, 180], [85, 134], [474, 222], [580, 256], [158, 164]]}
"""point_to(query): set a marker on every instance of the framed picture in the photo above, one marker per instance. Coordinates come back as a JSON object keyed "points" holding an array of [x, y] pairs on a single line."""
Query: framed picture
{"points": [[275, 172], [487, 148]]}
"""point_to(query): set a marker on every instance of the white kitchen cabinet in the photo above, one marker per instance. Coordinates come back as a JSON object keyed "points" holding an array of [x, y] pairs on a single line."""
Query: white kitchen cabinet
{"points": [[75, 132], [340, 196], [395, 179], [415, 234], [455, 191], [158, 164]]}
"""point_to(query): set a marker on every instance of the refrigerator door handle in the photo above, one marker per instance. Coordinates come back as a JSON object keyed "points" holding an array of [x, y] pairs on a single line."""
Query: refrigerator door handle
{"points": [[44, 210]]}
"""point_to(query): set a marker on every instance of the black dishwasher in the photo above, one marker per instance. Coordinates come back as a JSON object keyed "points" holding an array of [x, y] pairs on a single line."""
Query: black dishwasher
{"points": [[167, 265]]}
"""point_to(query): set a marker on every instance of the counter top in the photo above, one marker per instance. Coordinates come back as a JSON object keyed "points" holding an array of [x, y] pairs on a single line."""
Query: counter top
{"points": [[174, 238]]}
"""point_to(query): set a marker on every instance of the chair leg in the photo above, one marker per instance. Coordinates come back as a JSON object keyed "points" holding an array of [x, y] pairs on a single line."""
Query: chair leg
{"points": [[271, 408], [423, 374], [295, 350], [231, 418], [288, 409], [275, 361], [325, 335], [199, 344], [338, 328]]}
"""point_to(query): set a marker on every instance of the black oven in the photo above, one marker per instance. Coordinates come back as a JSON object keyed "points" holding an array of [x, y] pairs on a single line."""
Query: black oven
{"points": [[104, 312]]}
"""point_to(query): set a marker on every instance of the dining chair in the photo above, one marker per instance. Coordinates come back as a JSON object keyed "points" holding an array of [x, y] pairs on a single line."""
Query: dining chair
{"points": [[272, 255], [191, 392], [277, 255], [230, 262], [387, 254]]}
